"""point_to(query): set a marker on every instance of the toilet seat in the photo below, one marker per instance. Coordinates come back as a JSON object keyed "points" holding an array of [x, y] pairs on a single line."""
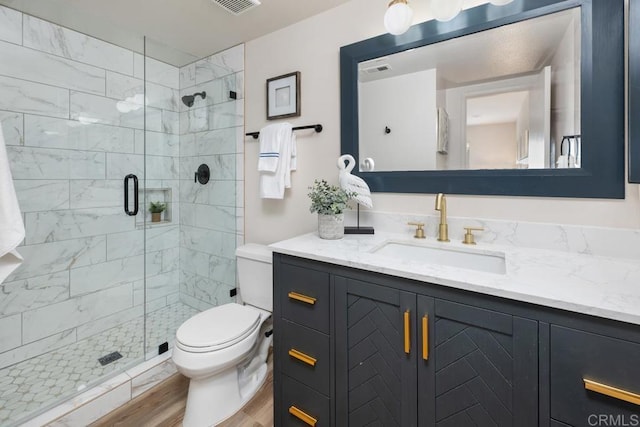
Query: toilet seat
{"points": [[217, 328]]}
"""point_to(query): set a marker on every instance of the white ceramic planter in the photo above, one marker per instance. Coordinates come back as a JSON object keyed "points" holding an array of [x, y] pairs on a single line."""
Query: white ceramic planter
{"points": [[331, 226]]}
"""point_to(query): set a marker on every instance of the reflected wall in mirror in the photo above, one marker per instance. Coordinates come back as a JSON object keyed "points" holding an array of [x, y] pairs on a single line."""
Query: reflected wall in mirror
{"points": [[503, 98], [555, 70]]}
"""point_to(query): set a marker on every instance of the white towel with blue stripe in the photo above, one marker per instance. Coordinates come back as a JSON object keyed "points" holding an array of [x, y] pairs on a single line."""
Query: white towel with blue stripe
{"points": [[277, 159], [11, 225]]}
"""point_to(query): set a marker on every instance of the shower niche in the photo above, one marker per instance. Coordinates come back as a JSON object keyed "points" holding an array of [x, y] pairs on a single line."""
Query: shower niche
{"points": [[155, 195]]}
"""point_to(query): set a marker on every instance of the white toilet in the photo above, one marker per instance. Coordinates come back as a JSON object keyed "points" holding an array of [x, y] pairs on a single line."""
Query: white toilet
{"points": [[224, 350]]}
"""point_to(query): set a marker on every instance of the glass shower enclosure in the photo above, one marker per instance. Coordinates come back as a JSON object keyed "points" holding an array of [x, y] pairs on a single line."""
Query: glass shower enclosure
{"points": [[96, 134]]}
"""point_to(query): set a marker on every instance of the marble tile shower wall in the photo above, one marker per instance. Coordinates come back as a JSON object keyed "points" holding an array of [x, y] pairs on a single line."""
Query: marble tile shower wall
{"points": [[211, 215], [73, 130]]}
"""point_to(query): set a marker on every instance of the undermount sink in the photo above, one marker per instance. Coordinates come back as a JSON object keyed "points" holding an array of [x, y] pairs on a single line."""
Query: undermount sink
{"points": [[487, 261]]}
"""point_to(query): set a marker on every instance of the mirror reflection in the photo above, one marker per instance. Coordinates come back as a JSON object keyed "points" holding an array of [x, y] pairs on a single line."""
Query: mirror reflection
{"points": [[505, 98]]}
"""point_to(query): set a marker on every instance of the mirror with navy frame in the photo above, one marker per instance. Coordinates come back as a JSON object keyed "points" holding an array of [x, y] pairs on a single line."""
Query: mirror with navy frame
{"points": [[601, 174], [634, 92]]}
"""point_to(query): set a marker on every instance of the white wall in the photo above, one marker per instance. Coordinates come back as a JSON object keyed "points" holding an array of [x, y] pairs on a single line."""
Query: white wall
{"points": [[412, 121], [491, 146], [312, 47]]}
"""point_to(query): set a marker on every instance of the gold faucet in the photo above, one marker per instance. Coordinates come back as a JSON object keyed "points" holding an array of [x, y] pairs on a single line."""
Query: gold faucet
{"points": [[443, 228]]}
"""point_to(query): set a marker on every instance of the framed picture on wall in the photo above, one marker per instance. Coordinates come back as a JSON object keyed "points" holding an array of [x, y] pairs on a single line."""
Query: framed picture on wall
{"points": [[283, 96]]}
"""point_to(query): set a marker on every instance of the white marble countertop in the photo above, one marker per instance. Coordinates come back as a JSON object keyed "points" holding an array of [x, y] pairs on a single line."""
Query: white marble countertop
{"points": [[596, 285]]}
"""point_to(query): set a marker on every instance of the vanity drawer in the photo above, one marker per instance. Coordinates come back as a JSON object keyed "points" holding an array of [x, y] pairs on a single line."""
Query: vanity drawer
{"points": [[609, 362], [305, 296], [301, 405], [305, 355]]}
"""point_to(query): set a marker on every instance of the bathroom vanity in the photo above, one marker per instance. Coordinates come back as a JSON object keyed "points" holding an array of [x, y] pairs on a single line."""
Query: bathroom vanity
{"points": [[369, 334]]}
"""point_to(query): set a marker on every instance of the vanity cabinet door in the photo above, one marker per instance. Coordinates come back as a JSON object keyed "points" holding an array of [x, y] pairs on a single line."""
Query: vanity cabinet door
{"points": [[483, 367], [375, 355]]}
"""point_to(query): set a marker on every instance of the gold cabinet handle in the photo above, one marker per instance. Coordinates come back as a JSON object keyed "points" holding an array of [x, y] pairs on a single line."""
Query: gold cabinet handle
{"points": [[303, 298], [305, 358], [425, 337], [407, 332], [610, 391], [303, 416]]}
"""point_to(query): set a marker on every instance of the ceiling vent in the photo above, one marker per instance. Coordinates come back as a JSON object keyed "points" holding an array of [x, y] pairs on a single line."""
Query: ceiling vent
{"points": [[237, 6]]}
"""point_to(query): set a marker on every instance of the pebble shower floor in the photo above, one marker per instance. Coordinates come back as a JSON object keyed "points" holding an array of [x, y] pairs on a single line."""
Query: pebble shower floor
{"points": [[43, 381]]}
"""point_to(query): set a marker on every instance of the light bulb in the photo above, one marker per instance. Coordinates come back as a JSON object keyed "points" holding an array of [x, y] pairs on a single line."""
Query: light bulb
{"points": [[397, 19], [500, 2], [445, 10]]}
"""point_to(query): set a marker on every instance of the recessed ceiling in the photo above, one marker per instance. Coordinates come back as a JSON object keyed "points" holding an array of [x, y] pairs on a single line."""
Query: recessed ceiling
{"points": [[178, 31]]}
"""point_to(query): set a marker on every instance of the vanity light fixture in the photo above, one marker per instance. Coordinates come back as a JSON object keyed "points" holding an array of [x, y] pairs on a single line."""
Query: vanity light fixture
{"points": [[397, 19]]}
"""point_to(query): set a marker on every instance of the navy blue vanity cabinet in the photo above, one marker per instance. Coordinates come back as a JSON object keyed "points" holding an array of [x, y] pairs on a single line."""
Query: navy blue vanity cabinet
{"points": [[414, 360], [303, 356], [591, 375]]}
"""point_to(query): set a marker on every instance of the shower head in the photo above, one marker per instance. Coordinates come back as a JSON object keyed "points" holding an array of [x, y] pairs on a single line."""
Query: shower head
{"points": [[188, 100]]}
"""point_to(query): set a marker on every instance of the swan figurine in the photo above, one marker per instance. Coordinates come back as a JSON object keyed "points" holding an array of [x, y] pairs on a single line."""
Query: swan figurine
{"points": [[352, 183]]}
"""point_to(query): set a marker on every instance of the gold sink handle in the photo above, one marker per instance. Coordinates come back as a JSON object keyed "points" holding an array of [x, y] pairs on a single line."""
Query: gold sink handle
{"points": [[469, 238], [419, 230]]}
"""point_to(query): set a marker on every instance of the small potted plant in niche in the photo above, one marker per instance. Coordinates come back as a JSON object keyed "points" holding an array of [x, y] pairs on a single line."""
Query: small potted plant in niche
{"points": [[329, 201], [156, 209]]}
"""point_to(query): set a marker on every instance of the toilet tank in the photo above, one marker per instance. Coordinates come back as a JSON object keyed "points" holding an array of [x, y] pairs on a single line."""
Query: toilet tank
{"points": [[255, 275]]}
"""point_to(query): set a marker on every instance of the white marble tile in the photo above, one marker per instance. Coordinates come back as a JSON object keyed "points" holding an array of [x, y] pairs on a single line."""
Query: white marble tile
{"points": [[170, 122], [57, 40], [120, 165], [152, 377], [37, 348], [158, 143], [49, 132], [222, 270], [42, 195], [138, 66], [221, 141], [239, 191], [222, 193], [96, 408], [173, 298], [220, 64], [12, 127], [208, 241], [36, 66], [90, 329], [28, 97], [240, 220], [194, 120], [10, 332], [95, 194], [161, 167], [223, 167], [43, 163], [121, 245], [206, 290], [53, 226], [122, 87], [195, 262], [33, 292], [58, 256], [162, 73], [170, 259], [10, 25], [212, 217], [225, 115], [188, 76], [110, 274], [154, 120], [161, 285], [194, 302], [93, 109], [54, 318], [240, 167]]}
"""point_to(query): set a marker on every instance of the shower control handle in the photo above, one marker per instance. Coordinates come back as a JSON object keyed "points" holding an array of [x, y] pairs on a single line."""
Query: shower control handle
{"points": [[134, 212]]}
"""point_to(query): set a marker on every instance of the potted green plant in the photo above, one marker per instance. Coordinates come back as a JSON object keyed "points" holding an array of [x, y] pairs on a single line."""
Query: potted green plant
{"points": [[156, 209], [330, 202]]}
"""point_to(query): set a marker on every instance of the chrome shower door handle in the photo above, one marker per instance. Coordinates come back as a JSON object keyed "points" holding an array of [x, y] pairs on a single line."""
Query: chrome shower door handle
{"points": [[134, 212]]}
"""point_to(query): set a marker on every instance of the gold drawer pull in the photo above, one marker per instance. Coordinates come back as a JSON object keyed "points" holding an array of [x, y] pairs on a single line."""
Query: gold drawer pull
{"points": [[302, 357], [610, 391], [299, 297], [425, 337], [407, 332], [303, 416]]}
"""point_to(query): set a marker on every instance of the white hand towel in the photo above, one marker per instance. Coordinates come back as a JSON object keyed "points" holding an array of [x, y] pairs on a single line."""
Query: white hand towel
{"points": [[273, 183], [271, 138], [11, 225]]}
